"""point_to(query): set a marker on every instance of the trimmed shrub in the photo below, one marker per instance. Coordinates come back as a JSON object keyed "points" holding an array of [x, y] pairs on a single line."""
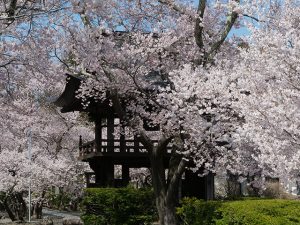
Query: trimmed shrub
{"points": [[115, 206], [243, 212], [197, 212]]}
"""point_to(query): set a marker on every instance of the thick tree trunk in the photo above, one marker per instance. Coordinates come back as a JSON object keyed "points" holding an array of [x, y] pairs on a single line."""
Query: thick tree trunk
{"points": [[170, 216], [15, 206], [21, 206], [166, 211], [9, 212], [166, 190]]}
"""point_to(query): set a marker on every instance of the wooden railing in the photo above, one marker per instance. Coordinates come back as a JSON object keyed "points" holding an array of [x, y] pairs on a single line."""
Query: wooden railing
{"points": [[87, 148], [113, 146]]}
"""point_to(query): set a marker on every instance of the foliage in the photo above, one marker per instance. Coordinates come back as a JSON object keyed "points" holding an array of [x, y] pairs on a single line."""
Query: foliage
{"points": [[63, 200], [114, 206], [243, 212], [197, 212]]}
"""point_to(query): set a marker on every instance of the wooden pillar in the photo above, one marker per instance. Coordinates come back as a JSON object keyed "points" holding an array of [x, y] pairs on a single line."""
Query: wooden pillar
{"points": [[136, 144], [110, 134], [109, 172], [98, 134], [209, 187], [122, 138], [98, 167], [100, 174], [87, 180], [104, 171], [125, 175]]}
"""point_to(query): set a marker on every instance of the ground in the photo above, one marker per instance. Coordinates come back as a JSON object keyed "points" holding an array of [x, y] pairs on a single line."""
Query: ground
{"points": [[48, 214]]}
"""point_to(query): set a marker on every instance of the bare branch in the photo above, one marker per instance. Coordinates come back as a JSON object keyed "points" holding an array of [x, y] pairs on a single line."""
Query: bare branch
{"points": [[252, 17], [41, 12], [7, 63], [59, 59], [228, 26]]}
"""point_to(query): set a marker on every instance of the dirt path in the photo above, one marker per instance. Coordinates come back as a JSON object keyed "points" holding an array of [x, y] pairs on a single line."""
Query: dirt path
{"points": [[54, 215], [62, 214]]}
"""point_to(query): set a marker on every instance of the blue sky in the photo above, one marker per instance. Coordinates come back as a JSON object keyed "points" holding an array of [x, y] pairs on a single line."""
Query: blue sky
{"points": [[239, 32]]}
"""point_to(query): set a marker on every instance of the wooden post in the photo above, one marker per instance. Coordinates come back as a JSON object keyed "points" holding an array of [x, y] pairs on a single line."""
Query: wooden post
{"points": [[87, 179], [98, 134], [109, 172], [136, 144], [209, 187], [110, 134], [122, 138], [125, 175], [104, 171]]}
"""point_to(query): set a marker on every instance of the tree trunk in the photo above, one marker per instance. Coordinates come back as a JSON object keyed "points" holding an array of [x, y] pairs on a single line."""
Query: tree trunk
{"points": [[166, 190], [9, 212], [166, 211], [38, 208], [170, 216], [15, 206], [22, 208]]}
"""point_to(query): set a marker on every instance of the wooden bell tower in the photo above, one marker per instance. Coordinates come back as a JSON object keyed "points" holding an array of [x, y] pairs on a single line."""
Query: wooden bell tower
{"points": [[113, 146]]}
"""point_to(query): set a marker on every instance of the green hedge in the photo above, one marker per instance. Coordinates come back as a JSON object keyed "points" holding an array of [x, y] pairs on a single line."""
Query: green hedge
{"points": [[243, 212], [116, 206]]}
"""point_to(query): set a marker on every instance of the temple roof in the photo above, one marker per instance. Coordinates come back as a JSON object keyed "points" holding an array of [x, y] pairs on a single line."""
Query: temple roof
{"points": [[67, 100]]}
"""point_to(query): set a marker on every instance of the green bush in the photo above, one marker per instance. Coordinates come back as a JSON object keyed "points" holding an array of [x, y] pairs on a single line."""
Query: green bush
{"points": [[197, 212], [243, 212], [116, 206]]}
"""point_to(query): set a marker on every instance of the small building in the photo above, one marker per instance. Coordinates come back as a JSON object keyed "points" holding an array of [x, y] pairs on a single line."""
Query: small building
{"points": [[110, 148]]}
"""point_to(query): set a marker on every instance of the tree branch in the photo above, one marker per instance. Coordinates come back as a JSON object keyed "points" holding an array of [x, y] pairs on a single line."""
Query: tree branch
{"points": [[172, 6], [252, 17], [229, 24], [198, 24]]}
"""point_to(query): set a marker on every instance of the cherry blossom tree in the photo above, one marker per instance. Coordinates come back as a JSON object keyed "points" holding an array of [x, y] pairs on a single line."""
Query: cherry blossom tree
{"points": [[29, 84], [267, 81], [54, 151], [168, 57], [218, 100]]}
